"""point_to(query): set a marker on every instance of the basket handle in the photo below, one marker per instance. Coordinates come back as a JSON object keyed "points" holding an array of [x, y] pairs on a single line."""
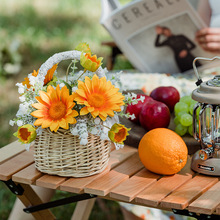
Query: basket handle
{"points": [[199, 79], [67, 55]]}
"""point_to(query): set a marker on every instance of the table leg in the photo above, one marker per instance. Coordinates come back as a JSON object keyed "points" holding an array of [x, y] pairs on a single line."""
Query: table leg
{"points": [[83, 209], [29, 198]]}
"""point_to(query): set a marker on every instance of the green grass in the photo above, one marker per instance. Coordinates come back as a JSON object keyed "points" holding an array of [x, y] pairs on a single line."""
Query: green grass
{"points": [[32, 31]]}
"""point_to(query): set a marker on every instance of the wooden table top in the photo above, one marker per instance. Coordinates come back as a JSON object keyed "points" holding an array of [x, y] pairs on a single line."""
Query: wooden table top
{"points": [[125, 179]]}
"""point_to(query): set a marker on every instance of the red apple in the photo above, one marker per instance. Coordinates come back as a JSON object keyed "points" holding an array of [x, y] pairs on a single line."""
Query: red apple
{"points": [[154, 114], [166, 94], [135, 109]]}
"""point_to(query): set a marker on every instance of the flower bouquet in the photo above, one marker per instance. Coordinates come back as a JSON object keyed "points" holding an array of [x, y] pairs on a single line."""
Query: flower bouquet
{"points": [[71, 121]]}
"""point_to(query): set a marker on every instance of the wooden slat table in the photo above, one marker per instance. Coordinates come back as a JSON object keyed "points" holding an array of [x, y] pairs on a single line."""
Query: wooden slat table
{"points": [[125, 179]]}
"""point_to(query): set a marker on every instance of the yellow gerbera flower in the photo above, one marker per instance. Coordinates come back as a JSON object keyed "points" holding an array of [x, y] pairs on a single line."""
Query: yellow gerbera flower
{"points": [[118, 133], [47, 79], [99, 96], [54, 109], [26, 133], [90, 62]]}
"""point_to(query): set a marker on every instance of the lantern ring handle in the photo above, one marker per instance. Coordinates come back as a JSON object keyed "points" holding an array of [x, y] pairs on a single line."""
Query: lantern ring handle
{"points": [[199, 79]]}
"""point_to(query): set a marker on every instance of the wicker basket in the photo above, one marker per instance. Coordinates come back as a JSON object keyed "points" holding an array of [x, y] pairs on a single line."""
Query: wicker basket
{"points": [[61, 154]]}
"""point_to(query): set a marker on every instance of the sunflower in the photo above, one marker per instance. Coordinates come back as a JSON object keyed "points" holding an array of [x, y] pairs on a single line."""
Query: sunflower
{"points": [[99, 96], [54, 109], [47, 79]]}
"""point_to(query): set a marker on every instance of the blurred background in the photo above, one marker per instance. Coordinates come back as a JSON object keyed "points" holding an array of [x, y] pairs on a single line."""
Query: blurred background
{"points": [[30, 32]]}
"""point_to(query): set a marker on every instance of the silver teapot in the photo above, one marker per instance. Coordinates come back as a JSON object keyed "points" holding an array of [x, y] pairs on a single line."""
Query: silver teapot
{"points": [[206, 126]]}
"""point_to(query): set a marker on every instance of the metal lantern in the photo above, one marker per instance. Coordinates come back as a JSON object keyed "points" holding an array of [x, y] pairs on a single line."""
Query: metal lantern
{"points": [[206, 126]]}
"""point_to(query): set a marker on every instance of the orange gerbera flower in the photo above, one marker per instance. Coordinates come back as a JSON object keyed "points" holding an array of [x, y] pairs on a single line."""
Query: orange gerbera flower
{"points": [[99, 96], [54, 109], [47, 79]]}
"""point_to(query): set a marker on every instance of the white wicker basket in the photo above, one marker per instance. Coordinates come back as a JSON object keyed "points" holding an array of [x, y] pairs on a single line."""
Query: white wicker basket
{"points": [[60, 153]]}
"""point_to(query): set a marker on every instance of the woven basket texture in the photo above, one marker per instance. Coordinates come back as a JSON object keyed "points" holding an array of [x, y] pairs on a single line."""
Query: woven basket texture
{"points": [[61, 154]]}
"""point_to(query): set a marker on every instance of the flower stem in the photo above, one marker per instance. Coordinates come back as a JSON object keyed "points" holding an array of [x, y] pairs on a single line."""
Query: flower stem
{"points": [[106, 127], [81, 74], [67, 71]]}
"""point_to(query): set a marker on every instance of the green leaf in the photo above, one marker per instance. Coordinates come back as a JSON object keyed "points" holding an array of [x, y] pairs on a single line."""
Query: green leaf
{"points": [[68, 86]]}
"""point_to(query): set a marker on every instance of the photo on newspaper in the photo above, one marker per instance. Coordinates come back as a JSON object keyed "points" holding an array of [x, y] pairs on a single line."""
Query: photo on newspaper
{"points": [[157, 36], [167, 45]]}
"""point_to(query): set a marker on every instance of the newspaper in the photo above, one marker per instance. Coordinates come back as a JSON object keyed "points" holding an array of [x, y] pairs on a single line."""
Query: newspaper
{"points": [[155, 35]]}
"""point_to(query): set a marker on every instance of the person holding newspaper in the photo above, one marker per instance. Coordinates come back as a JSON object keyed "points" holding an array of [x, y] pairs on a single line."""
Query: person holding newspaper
{"points": [[209, 38], [179, 44]]}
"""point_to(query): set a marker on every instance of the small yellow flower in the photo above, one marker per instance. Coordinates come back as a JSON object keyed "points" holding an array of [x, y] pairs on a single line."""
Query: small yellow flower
{"points": [[26, 133], [118, 133], [83, 47], [90, 62]]}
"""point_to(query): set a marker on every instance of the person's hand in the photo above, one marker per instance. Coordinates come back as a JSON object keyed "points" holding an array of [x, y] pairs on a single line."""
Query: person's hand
{"points": [[183, 53], [209, 39], [159, 30]]}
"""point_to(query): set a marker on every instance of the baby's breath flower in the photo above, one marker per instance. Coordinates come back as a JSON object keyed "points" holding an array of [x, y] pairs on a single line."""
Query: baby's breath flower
{"points": [[94, 131], [84, 141], [11, 122], [133, 95], [74, 88], [19, 123], [22, 98], [104, 136], [118, 146], [142, 98], [39, 130], [62, 85], [132, 117], [84, 135], [27, 146], [74, 131], [97, 121]]}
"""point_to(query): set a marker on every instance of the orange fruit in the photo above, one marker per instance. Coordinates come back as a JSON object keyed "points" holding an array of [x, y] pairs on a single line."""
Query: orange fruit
{"points": [[163, 151]]}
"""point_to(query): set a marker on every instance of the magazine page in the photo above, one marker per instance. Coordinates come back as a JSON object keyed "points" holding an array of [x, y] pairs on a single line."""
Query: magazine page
{"points": [[157, 35]]}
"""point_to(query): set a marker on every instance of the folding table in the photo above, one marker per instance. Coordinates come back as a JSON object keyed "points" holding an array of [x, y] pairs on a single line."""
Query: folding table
{"points": [[125, 179]]}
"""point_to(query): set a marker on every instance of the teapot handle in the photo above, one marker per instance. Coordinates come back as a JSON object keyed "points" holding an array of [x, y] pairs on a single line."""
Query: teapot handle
{"points": [[199, 79]]}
